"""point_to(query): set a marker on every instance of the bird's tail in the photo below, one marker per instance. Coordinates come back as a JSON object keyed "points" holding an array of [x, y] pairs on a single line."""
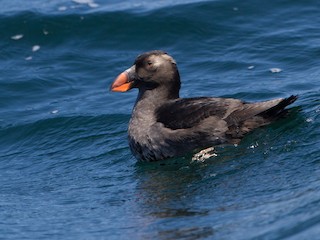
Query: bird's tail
{"points": [[279, 109]]}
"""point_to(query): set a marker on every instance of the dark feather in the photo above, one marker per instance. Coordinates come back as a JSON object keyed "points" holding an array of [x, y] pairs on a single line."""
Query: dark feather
{"points": [[279, 109], [188, 112], [163, 125]]}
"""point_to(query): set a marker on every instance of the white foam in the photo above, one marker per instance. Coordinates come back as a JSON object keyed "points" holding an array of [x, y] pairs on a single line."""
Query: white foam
{"points": [[309, 120], [90, 3], [275, 70], [62, 8], [93, 5], [81, 1], [255, 145], [17, 37], [35, 48]]}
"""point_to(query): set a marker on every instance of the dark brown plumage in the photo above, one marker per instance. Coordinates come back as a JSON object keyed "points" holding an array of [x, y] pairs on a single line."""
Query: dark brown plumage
{"points": [[163, 125]]}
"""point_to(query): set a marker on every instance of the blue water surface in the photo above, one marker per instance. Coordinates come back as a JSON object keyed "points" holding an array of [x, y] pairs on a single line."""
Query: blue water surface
{"points": [[66, 170]]}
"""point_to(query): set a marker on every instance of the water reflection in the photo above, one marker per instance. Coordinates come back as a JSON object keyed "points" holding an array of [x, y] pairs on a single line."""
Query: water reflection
{"points": [[182, 212], [186, 233], [190, 201], [167, 192], [160, 185]]}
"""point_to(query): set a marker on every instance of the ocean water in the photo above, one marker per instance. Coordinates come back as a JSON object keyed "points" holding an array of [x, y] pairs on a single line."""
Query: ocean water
{"points": [[66, 171]]}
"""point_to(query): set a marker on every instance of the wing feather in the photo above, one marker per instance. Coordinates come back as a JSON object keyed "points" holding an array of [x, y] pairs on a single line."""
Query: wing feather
{"points": [[188, 112]]}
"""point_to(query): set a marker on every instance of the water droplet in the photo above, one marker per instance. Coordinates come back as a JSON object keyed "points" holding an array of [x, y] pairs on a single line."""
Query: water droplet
{"points": [[28, 58], [251, 67], [55, 111]]}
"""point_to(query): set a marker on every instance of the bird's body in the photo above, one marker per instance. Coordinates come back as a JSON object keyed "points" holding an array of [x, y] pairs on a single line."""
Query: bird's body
{"points": [[163, 125]]}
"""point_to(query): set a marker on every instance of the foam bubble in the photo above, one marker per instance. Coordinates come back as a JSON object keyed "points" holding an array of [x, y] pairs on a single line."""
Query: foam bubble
{"points": [[309, 120], [275, 70], [93, 5], [255, 145], [17, 37], [35, 48], [62, 8], [90, 3]]}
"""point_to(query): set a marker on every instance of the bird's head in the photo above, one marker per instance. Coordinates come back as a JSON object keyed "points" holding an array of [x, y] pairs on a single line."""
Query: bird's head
{"points": [[150, 70]]}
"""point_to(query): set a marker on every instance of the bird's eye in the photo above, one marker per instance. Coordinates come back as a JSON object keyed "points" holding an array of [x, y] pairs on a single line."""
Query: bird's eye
{"points": [[149, 63]]}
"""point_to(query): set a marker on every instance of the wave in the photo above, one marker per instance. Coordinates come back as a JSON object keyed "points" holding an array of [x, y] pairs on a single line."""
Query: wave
{"points": [[78, 49], [196, 24], [59, 131], [11, 7]]}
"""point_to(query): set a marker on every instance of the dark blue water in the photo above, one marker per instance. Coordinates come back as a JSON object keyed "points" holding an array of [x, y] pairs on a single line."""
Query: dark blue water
{"points": [[66, 170]]}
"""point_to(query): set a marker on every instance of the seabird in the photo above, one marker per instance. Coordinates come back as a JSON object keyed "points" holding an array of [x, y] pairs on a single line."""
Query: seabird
{"points": [[163, 125]]}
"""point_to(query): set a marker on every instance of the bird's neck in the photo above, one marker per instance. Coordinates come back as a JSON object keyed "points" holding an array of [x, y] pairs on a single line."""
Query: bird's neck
{"points": [[162, 92], [148, 101]]}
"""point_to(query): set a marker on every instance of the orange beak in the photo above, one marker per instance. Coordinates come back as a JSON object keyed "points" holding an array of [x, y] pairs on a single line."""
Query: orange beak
{"points": [[124, 82]]}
